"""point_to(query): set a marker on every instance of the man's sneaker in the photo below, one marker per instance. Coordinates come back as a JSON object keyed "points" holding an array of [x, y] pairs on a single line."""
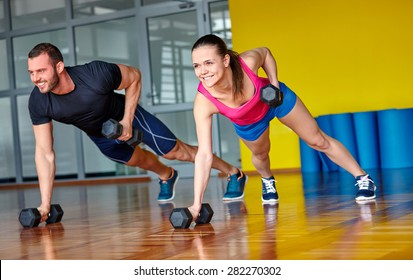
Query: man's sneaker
{"points": [[235, 186], [366, 188], [168, 187], [269, 192]]}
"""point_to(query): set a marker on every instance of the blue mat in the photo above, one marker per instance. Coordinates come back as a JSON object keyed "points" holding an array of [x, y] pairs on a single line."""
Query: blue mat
{"points": [[376, 139], [367, 139], [396, 137]]}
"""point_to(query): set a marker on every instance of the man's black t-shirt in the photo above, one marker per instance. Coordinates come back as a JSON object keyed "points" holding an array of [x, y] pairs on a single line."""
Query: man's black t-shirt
{"points": [[89, 105]]}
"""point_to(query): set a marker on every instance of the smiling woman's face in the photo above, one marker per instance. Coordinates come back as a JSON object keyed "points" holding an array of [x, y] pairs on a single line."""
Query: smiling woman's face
{"points": [[209, 66]]}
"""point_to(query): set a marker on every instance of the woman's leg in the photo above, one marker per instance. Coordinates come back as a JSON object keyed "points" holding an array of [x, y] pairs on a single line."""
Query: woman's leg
{"points": [[260, 149], [302, 122]]}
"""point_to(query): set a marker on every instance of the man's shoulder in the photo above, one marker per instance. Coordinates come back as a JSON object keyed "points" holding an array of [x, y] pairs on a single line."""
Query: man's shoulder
{"points": [[94, 68], [35, 94], [100, 64], [97, 75]]}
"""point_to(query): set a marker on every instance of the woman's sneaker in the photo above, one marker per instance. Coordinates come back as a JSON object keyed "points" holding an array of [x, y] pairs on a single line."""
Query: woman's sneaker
{"points": [[235, 186], [168, 187], [366, 187], [269, 191]]}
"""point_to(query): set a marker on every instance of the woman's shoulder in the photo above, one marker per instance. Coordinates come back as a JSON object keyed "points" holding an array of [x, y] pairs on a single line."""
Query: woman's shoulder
{"points": [[252, 59], [205, 104]]}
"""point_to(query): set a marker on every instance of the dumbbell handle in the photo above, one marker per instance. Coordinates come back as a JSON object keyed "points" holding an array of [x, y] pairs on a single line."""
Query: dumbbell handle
{"points": [[118, 133]]}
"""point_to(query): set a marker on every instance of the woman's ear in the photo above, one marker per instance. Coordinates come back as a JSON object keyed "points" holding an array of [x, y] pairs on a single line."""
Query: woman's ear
{"points": [[227, 60]]}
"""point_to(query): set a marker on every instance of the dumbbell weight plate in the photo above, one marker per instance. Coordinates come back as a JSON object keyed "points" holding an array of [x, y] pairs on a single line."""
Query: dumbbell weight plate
{"points": [[205, 215], [29, 217], [180, 218], [55, 215], [111, 129], [271, 95]]}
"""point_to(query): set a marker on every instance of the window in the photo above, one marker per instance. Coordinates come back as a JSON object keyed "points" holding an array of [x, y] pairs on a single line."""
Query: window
{"points": [[29, 13], [4, 72], [92, 44], [7, 164], [86, 8], [23, 45], [2, 20], [170, 42]]}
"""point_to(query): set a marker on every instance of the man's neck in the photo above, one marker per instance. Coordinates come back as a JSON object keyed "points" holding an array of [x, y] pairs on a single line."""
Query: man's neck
{"points": [[66, 84]]}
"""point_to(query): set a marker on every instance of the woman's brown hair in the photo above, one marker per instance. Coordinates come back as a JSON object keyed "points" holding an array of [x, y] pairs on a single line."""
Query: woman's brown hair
{"points": [[237, 74]]}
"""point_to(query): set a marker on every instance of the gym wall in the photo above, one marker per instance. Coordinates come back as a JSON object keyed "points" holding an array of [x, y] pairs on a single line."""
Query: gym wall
{"points": [[339, 56]]}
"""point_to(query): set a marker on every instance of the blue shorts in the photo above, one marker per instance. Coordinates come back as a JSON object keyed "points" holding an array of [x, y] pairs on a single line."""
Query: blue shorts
{"points": [[252, 132], [155, 135]]}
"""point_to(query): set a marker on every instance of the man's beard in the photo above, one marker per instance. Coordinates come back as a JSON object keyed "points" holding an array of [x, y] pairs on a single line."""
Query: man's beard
{"points": [[51, 84]]}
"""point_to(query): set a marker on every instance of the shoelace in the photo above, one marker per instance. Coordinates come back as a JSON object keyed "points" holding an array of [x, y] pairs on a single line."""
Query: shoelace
{"points": [[269, 185], [364, 182]]}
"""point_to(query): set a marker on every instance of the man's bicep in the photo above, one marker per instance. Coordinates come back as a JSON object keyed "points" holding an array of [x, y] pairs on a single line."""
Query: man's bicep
{"points": [[129, 75], [43, 134]]}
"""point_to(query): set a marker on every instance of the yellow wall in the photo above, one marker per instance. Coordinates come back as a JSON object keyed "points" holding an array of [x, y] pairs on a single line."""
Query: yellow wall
{"points": [[338, 56]]}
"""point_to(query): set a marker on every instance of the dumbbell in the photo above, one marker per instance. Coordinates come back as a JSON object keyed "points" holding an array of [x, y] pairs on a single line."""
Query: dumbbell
{"points": [[182, 218], [112, 129], [30, 217], [271, 95]]}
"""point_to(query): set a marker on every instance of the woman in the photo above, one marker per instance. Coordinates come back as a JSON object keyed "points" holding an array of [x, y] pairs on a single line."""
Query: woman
{"points": [[229, 85]]}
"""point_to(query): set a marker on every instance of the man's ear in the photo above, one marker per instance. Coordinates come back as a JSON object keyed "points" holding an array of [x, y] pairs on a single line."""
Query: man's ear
{"points": [[60, 66]]}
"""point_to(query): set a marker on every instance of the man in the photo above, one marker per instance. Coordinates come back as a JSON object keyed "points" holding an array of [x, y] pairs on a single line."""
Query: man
{"points": [[84, 96]]}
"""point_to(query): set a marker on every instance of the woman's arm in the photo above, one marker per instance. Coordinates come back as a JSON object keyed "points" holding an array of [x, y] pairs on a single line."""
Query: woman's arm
{"points": [[262, 58], [203, 111]]}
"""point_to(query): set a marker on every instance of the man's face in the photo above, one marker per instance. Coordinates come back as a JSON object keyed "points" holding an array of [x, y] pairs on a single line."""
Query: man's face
{"points": [[43, 72]]}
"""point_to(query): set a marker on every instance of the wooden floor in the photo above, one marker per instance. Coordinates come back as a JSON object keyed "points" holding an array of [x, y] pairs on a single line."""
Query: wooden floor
{"points": [[316, 219]]}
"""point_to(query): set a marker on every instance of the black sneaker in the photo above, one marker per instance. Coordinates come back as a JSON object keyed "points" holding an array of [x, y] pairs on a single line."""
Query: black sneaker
{"points": [[269, 191], [366, 188]]}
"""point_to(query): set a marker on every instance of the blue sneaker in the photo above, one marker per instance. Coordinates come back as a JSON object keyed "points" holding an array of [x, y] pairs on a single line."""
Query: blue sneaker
{"points": [[269, 192], [366, 188], [235, 186], [168, 187]]}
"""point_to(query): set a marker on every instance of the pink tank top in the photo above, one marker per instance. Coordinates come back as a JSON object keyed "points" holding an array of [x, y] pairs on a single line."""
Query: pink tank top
{"points": [[250, 112]]}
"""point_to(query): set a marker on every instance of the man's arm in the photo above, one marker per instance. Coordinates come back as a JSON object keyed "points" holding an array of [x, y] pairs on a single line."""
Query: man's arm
{"points": [[45, 165], [132, 83]]}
